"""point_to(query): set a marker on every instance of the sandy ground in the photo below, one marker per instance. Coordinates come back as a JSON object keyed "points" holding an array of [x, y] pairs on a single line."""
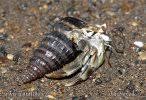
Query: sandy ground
{"points": [[25, 22]]}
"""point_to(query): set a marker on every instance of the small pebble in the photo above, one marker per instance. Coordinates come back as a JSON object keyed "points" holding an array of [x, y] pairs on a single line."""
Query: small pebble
{"points": [[2, 30], [115, 7], [3, 36], [27, 49], [142, 56], [12, 37], [44, 80], [46, 7], [3, 51], [110, 13], [35, 44], [139, 44], [23, 6], [10, 56], [3, 70], [70, 11], [101, 80], [134, 24], [51, 97], [98, 81], [133, 34], [121, 71]]}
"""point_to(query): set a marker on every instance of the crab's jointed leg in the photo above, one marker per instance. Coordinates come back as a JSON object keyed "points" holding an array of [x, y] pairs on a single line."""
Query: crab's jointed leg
{"points": [[93, 62]]}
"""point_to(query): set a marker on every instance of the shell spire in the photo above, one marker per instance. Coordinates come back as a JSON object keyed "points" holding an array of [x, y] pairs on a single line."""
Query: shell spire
{"points": [[54, 51]]}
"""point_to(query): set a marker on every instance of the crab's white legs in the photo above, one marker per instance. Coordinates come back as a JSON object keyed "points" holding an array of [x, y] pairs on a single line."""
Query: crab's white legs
{"points": [[94, 61], [81, 74]]}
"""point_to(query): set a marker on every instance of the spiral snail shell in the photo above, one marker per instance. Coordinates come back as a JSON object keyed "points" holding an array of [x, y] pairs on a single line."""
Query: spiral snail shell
{"points": [[54, 51], [73, 45]]}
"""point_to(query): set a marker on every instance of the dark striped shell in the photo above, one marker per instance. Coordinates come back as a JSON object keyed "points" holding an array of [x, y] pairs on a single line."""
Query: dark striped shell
{"points": [[54, 51]]}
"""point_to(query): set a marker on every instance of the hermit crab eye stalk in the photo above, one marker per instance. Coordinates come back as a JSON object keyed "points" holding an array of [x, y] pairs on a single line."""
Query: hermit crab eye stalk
{"points": [[76, 22]]}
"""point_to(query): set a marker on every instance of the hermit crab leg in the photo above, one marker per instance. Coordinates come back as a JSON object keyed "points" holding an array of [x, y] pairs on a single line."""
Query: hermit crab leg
{"points": [[89, 63], [80, 78], [95, 62]]}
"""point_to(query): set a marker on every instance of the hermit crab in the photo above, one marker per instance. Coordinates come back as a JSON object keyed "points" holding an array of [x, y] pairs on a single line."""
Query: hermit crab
{"points": [[72, 46]]}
